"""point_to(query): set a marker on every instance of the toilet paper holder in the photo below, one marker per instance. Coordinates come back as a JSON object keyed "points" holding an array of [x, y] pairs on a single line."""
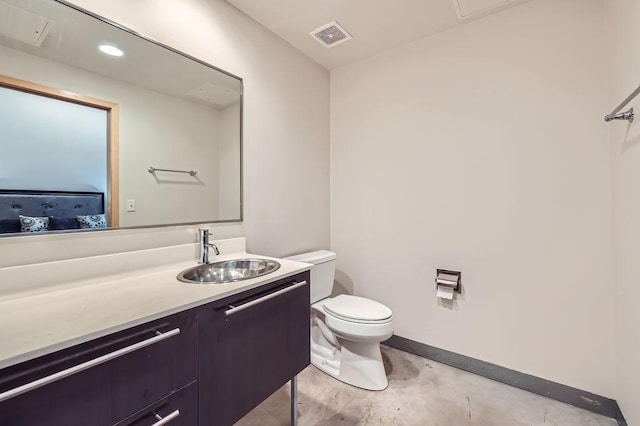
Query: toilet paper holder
{"points": [[449, 279]]}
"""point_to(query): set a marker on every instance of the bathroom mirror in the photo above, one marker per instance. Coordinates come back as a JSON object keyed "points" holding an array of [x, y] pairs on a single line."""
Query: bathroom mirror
{"points": [[101, 125]]}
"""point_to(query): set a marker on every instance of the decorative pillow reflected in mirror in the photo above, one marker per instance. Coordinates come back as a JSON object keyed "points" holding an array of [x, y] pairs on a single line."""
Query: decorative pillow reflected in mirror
{"points": [[92, 221], [34, 224]]}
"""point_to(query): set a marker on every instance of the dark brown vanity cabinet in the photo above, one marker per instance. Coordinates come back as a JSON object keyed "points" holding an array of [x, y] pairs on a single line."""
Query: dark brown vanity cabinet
{"points": [[106, 380], [205, 366], [250, 345]]}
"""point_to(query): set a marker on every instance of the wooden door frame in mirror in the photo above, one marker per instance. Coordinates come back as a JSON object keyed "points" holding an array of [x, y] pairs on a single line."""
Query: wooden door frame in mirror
{"points": [[112, 109]]}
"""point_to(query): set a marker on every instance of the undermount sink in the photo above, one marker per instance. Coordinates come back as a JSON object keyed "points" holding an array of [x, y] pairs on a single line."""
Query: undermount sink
{"points": [[228, 271]]}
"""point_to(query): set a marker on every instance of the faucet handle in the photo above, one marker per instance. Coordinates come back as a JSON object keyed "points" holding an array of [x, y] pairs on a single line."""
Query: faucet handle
{"points": [[203, 233]]}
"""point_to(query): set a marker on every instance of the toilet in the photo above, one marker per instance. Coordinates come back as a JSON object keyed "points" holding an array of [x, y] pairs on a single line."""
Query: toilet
{"points": [[346, 331]]}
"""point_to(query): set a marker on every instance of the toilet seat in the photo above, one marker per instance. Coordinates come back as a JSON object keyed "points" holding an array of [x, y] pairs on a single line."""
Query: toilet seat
{"points": [[357, 310], [359, 331]]}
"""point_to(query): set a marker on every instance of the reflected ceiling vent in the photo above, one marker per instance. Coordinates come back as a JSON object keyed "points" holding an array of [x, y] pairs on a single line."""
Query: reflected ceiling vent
{"points": [[212, 94], [468, 8], [27, 27], [331, 34]]}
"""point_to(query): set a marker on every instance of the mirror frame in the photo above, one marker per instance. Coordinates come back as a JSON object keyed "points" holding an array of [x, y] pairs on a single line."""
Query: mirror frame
{"points": [[113, 157]]}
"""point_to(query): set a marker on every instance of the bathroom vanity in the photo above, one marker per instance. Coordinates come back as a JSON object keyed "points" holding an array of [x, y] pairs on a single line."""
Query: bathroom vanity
{"points": [[209, 363]]}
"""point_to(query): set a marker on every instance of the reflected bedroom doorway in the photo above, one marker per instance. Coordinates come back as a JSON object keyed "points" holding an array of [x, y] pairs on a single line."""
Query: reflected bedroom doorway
{"points": [[95, 167]]}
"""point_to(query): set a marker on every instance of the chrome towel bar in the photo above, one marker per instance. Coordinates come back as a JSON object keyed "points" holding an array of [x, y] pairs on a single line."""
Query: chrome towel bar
{"points": [[155, 169], [627, 115]]}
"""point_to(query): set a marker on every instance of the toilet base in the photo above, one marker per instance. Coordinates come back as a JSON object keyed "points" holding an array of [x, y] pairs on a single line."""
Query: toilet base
{"points": [[355, 363]]}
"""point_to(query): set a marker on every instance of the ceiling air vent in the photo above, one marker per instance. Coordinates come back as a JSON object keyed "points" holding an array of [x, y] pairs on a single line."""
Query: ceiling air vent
{"points": [[331, 34], [215, 95], [22, 25], [468, 8]]}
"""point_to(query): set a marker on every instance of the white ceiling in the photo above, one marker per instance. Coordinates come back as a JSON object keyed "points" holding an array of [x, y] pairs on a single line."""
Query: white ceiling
{"points": [[376, 25], [73, 39]]}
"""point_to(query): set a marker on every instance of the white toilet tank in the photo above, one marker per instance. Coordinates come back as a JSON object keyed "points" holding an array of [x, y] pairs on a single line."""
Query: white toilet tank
{"points": [[322, 273]]}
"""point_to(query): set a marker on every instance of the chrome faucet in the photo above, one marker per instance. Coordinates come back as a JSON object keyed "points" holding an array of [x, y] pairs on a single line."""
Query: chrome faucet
{"points": [[205, 245]]}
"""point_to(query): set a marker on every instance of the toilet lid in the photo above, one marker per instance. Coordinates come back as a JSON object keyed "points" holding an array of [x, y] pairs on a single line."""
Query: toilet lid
{"points": [[356, 308]]}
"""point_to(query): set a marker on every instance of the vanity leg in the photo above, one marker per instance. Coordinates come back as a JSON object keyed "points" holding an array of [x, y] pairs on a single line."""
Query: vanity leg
{"points": [[294, 401]]}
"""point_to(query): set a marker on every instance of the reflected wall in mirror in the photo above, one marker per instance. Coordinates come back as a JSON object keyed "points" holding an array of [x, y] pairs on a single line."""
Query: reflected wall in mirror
{"points": [[82, 130]]}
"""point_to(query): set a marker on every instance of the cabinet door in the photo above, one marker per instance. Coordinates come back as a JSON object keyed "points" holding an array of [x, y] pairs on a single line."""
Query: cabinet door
{"points": [[254, 346]]}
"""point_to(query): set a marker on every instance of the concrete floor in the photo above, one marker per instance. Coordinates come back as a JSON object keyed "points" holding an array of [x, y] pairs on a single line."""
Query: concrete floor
{"points": [[421, 392]]}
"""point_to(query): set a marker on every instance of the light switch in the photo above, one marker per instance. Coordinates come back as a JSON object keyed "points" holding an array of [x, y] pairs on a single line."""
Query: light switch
{"points": [[131, 205]]}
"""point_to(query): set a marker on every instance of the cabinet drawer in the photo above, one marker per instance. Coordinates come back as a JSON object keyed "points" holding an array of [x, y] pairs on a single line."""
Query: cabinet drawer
{"points": [[104, 380], [146, 375], [82, 398], [178, 409]]}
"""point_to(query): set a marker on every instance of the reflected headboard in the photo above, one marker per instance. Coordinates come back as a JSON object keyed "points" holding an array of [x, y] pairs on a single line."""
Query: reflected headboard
{"points": [[62, 205]]}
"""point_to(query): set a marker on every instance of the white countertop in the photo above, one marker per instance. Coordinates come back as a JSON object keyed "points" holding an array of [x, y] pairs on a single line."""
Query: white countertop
{"points": [[50, 319]]}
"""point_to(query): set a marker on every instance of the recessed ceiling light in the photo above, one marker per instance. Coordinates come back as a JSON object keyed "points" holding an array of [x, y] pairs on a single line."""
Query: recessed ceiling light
{"points": [[110, 49]]}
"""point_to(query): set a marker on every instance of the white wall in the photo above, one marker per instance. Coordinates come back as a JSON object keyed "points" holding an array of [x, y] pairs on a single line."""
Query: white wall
{"points": [[625, 154], [482, 149], [36, 129], [165, 132], [228, 138], [286, 133]]}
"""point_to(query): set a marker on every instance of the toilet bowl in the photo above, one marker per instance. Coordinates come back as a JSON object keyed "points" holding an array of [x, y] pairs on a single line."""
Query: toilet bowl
{"points": [[346, 330]]}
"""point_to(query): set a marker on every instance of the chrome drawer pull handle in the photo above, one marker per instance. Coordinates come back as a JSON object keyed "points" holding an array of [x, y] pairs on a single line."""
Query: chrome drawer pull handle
{"points": [[164, 420], [264, 299], [85, 365]]}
